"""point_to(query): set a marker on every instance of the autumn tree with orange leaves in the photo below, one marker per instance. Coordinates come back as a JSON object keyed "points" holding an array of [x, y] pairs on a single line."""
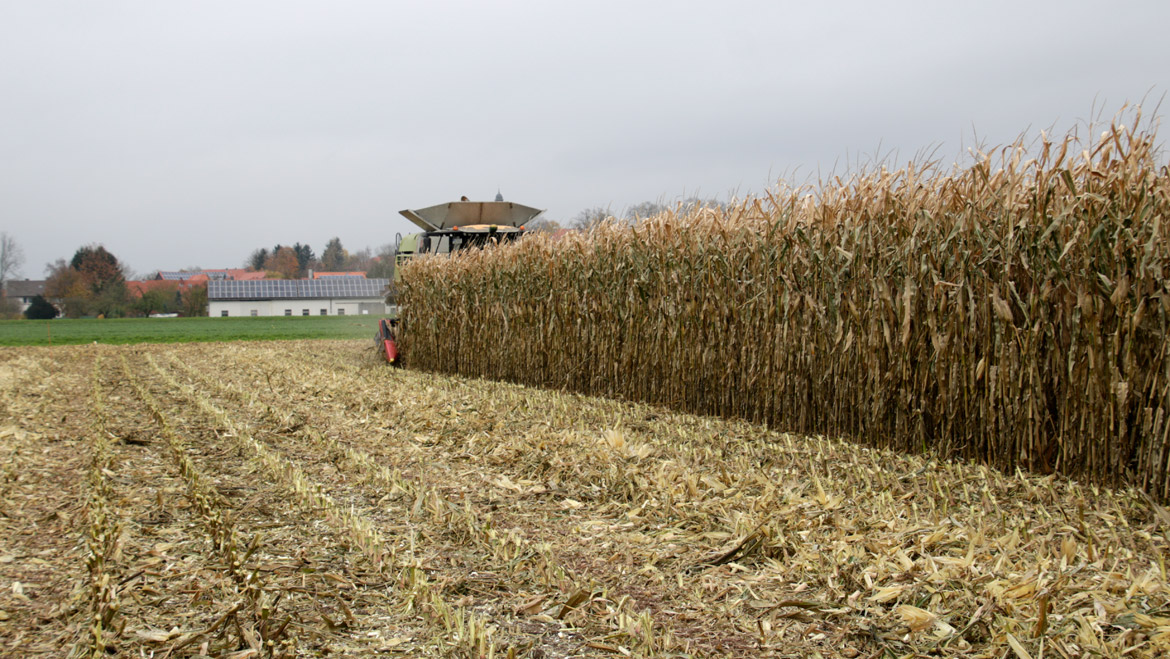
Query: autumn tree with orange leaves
{"points": [[283, 264], [93, 282]]}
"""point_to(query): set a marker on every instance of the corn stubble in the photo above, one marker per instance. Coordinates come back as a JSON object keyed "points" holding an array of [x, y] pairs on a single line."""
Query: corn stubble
{"points": [[1014, 312], [387, 511]]}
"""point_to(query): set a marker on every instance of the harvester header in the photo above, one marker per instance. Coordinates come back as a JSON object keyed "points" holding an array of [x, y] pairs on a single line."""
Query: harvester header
{"points": [[466, 213]]}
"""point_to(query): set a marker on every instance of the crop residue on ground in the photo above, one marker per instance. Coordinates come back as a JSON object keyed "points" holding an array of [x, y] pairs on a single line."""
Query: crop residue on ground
{"points": [[302, 499]]}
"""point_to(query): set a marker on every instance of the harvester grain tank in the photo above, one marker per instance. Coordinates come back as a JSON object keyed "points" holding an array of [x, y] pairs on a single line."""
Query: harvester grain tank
{"points": [[449, 229]]}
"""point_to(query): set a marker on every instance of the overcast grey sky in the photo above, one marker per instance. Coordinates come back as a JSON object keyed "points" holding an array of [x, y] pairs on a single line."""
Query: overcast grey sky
{"points": [[186, 133]]}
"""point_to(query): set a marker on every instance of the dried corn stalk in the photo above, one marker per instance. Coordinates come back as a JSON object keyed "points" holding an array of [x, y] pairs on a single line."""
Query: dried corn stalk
{"points": [[1014, 312]]}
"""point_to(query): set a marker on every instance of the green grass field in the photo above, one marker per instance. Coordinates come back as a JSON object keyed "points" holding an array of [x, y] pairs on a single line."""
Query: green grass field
{"points": [[182, 330]]}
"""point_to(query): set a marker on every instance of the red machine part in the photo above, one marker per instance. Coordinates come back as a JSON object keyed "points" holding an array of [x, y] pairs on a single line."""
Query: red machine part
{"points": [[389, 341]]}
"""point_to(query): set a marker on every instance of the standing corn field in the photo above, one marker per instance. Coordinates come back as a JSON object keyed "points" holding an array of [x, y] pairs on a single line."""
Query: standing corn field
{"points": [[1014, 312]]}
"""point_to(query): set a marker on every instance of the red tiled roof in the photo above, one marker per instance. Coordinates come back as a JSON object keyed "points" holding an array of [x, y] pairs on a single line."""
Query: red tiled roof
{"points": [[137, 288], [240, 274]]}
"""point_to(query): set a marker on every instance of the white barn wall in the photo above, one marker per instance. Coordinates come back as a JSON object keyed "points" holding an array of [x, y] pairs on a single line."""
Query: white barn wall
{"points": [[332, 307]]}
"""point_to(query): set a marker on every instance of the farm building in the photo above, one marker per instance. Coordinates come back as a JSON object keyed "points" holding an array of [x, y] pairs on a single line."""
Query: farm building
{"points": [[23, 291], [297, 297]]}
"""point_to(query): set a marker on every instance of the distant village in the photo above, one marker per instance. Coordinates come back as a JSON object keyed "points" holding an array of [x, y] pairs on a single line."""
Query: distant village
{"points": [[286, 280], [283, 281]]}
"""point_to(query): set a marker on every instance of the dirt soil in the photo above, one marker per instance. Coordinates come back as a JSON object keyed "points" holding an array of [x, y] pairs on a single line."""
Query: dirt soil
{"points": [[302, 499]]}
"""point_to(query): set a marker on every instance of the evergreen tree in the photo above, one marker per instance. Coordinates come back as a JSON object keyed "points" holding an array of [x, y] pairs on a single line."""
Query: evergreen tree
{"points": [[334, 257], [304, 258], [257, 259], [40, 309]]}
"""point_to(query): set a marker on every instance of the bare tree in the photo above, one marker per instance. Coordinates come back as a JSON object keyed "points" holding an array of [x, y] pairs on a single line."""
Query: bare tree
{"points": [[645, 209], [544, 225], [11, 258], [652, 208], [590, 217], [693, 203], [358, 261], [382, 264]]}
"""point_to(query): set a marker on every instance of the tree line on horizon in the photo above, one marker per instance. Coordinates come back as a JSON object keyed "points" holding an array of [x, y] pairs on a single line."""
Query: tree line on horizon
{"points": [[295, 261], [94, 283]]}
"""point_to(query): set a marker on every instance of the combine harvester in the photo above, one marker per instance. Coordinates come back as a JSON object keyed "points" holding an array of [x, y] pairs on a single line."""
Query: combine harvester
{"points": [[449, 229]]}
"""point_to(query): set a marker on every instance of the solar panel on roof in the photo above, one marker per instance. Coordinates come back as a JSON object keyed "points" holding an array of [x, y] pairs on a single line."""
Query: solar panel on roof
{"points": [[295, 289]]}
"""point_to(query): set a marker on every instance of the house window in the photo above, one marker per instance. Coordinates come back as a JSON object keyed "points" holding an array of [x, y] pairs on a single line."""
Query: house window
{"points": [[223, 313], [254, 313], [304, 312], [288, 312], [324, 312], [341, 312]]}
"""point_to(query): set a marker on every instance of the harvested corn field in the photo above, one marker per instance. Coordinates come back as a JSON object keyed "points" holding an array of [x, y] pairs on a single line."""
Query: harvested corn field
{"points": [[300, 499]]}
